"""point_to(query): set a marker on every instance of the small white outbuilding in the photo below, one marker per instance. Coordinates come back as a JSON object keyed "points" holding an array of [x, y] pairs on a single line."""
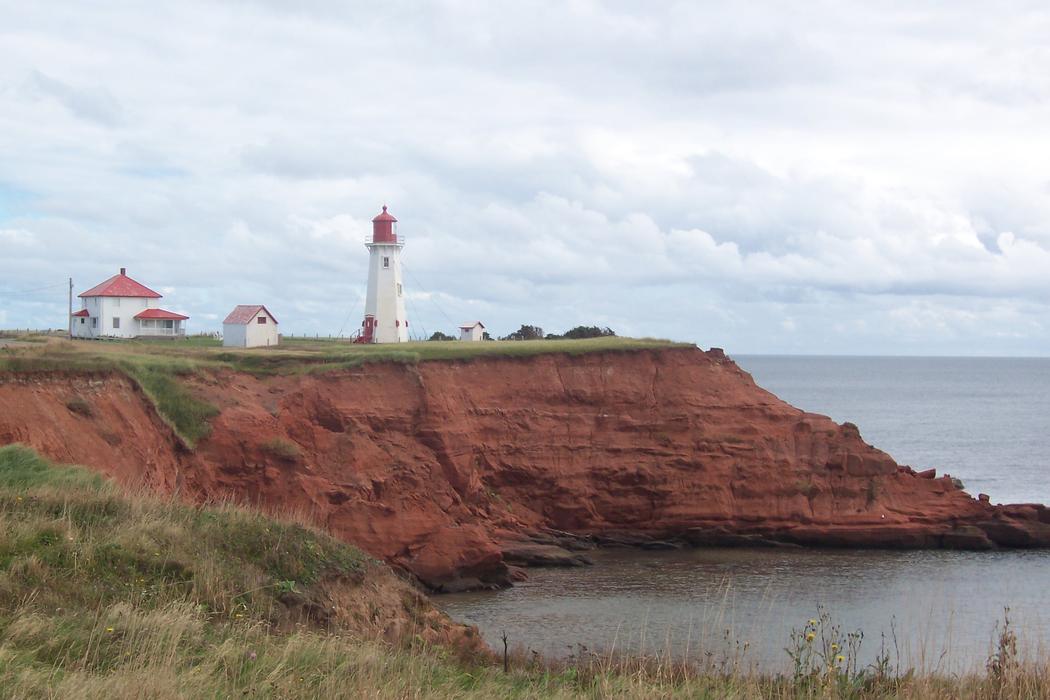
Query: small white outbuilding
{"points": [[475, 330], [249, 326]]}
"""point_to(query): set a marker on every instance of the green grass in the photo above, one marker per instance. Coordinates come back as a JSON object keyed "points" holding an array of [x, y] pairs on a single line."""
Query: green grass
{"points": [[187, 414], [105, 594], [296, 355], [96, 546], [423, 351], [282, 448]]}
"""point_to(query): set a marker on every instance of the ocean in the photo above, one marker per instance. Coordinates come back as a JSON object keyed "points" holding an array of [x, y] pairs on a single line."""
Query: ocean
{"points": [[985, 421]]}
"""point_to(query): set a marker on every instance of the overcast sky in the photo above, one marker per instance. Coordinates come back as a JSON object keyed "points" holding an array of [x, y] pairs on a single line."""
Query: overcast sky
{"points": [[836, 178]]}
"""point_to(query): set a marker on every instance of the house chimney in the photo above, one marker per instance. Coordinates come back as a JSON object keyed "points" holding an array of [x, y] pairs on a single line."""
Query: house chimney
{"points": [[123, 270]]}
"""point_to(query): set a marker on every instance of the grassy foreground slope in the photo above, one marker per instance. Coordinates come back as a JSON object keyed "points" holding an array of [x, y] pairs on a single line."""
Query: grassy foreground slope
{"points": [[110, 595]]}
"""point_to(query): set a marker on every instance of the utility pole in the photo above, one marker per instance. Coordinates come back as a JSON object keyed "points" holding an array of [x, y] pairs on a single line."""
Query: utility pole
{"points": [[71, 308]]}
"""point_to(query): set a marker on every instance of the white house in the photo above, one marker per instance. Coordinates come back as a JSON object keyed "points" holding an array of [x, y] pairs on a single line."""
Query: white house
{"points": [[475, 330], [120, 307], [385, 320], [249, 326]]}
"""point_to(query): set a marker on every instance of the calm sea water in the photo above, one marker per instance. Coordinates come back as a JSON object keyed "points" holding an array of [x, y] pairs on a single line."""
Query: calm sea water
{"points": [[984, 420]]}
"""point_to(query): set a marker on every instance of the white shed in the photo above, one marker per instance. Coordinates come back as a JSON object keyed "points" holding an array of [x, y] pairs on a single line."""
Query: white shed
{"points": [[249, 326], [475, 330]]}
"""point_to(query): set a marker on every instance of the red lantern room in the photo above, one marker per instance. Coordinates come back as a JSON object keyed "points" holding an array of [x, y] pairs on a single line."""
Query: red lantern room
{"points": [[383, 228]]}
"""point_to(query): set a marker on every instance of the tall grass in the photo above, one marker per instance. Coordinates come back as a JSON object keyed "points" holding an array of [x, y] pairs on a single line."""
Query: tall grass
{"points": [[109, 595], [187, 415], [298, 355]]}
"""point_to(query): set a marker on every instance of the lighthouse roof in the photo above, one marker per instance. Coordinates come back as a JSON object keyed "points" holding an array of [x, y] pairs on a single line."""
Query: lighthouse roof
{"points": [[384, 216]]}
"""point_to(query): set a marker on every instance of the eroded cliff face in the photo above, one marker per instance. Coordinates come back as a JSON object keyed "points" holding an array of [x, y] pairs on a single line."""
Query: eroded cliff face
{"points": [[452, 469]]}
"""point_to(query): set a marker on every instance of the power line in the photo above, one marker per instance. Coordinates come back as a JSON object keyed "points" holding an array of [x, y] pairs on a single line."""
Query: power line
{"points": [[348, 315], [411, 313], [430, 297], [27, 292]]}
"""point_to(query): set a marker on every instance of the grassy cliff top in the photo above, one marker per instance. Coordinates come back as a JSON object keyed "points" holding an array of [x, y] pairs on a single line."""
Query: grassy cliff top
{"points": [[105, 594], [294, 354]]}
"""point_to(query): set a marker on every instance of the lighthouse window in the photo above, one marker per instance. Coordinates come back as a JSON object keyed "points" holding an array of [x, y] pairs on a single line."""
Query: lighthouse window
{"points": [[262, 319], [399, 289], [386, 262]]}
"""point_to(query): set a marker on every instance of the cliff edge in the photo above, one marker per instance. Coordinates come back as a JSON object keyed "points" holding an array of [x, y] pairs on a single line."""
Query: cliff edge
{"points": [[457, 470]]}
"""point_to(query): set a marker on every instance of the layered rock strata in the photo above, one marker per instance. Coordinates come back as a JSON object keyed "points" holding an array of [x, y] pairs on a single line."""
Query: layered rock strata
{"points": [[455, 471]]}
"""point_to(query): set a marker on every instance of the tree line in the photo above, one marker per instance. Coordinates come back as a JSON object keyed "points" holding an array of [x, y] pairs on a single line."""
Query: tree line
{"points": [[529, 332]]}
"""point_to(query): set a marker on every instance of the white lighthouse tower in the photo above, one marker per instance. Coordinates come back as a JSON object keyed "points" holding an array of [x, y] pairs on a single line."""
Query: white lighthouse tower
{"points": [[385, 320]]}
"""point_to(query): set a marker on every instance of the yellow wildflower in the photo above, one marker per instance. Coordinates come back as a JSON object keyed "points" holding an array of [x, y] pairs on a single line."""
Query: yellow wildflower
{"points": [[812, 623], [810, 636], [834, 647], [839, 659], [109, 629]]}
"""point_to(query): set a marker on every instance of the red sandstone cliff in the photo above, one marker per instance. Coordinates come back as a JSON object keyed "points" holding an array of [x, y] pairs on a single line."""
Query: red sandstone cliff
{"points": [[451, 469]]}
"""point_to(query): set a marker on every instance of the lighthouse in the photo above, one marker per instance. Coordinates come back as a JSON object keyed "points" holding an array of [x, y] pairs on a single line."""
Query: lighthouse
{"points": [[385, 320]]}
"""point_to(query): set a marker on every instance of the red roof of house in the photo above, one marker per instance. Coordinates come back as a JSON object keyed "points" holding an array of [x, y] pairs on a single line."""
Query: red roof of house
{"points": [[82, 312], [244, 313], [161, 313], [120, 285]]}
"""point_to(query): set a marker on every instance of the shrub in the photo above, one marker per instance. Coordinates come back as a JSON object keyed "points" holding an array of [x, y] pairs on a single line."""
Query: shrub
{"points": [[580, 332], [282, 448], [525, 333], [80, 406]]}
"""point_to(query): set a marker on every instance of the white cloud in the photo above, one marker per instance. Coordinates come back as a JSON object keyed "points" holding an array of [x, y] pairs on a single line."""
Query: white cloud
{"points": [[765, 178]]}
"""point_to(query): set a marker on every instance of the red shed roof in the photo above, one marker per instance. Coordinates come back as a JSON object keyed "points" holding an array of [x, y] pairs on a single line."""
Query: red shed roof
{"points": [[161, 313], [244, 313], [82, 312], [120, 285]]}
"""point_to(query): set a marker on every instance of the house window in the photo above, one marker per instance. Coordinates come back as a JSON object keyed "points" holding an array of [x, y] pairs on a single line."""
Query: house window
{"points": [[262, 319], [116, 322], [386, 262], [94, 323], [169, 324], [81, 321], [399, 289]]}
